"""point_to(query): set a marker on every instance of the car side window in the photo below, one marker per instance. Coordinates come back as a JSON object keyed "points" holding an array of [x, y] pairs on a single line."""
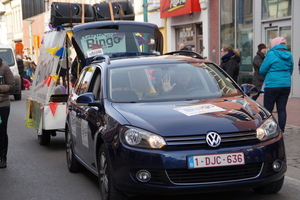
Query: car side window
{"points": [[95, 85], [82, 86], [78, 81]]}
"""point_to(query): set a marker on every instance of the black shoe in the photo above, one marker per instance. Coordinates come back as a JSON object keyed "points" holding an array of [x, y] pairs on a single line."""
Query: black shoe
{"points": [[3, 163]]}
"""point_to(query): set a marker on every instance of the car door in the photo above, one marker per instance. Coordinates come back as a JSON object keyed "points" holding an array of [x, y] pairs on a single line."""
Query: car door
{"points": [[77, 112], [90, 119]]}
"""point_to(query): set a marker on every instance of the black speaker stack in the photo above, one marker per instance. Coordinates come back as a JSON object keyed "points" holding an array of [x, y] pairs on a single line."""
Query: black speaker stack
{"points": [[68, 14]]}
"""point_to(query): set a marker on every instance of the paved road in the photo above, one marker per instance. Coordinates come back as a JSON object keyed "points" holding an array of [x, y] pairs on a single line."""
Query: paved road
{"points": [[37, 172]]}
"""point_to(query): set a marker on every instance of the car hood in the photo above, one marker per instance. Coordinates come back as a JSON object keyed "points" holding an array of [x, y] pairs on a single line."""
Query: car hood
{"points": [[177, 118]]}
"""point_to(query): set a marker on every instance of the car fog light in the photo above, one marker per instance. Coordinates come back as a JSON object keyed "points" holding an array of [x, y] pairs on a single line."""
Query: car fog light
{"points": [[143, 175], [277, 165]]}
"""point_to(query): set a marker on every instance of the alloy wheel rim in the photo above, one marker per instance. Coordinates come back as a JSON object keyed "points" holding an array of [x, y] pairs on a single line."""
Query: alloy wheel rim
{"points": [[103, 176]]}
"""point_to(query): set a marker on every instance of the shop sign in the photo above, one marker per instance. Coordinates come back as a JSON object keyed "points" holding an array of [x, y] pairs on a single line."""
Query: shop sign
{"points": [[171, 8]]}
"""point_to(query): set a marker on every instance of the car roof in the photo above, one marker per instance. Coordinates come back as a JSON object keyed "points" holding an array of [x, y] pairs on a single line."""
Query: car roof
{"points": [[109, 23], [6, 46], [153, 60]]}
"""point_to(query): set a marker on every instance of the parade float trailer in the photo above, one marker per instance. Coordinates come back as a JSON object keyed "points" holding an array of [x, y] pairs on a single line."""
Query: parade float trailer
{"points": [[86, 28], [46, 106]]}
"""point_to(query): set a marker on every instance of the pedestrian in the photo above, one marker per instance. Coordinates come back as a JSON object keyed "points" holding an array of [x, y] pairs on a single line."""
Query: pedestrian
{"points": [[277, 69], [26, 83], [29, 72], [181, 46], [7, 83], [20, 64], [230, 61], [26, 61], [257, 60]]}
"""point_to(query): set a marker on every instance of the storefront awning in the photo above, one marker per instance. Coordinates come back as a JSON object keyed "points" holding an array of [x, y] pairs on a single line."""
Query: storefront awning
{"points": [[171, 8]]}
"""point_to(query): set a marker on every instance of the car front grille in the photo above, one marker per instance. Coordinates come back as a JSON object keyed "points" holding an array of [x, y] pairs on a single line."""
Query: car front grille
{"points": [[214, 174], [227, 138]]}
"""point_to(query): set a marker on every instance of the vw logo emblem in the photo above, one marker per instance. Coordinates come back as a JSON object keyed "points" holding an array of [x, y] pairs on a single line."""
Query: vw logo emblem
{"points": [[213, 139]]}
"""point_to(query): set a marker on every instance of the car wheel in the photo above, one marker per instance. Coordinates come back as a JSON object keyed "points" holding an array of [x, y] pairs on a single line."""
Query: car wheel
{"points": [[73, 164], [270, 188], [18, 96], [108, 190], [44, 139]]}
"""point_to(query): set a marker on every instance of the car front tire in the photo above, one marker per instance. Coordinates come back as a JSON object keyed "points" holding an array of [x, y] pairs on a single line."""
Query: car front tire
{"points": [[270, 188], [108, 190], [73, 164]]}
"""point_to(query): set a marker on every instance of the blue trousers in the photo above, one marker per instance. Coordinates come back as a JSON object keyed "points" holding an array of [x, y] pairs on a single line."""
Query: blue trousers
{"points": [[4, 113], [279, 96]]}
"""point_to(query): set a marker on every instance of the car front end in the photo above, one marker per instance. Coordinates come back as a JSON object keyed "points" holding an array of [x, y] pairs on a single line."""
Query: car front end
{"points": [[173, 159]]}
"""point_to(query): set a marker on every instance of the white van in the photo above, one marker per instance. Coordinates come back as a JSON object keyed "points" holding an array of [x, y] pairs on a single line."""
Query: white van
{"points": [[8, 56]]}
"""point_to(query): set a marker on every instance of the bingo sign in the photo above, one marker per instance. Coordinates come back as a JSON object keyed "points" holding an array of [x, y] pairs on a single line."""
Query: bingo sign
{"points": [[97, 44]]}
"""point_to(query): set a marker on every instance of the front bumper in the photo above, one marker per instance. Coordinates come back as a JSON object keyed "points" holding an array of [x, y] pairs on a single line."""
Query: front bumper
{"points": [[170, 175]]}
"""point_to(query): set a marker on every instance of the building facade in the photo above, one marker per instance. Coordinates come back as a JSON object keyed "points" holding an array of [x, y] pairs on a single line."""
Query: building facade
{"points": [[205, 25], [243, 24]]}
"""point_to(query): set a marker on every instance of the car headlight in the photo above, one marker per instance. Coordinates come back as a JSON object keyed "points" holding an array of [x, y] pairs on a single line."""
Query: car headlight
{"points": [[269, 129], [140, 138]]}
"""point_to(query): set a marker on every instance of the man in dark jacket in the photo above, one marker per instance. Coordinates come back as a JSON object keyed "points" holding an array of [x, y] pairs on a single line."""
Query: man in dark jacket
{"points": [[7, 83], [257, 60], [20, 64]]}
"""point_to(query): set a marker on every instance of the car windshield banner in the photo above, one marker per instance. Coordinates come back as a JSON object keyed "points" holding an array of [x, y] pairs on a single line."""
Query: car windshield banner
{"points": [[96, 44]]}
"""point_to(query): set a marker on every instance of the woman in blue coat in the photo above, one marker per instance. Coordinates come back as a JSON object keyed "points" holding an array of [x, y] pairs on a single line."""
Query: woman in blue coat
{"points": [[277, 69]]}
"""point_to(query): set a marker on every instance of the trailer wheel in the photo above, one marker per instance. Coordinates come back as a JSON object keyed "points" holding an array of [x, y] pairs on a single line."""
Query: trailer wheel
{"points": [[44, 139]]}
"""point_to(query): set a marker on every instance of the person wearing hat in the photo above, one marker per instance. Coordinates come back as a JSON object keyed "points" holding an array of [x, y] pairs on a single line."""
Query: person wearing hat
{"points": [[277, 69], [257, 60]]}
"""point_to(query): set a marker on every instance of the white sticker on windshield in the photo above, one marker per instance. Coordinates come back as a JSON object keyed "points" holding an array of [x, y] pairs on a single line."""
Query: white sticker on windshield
{"points": [[94, 52], [199, 109]]}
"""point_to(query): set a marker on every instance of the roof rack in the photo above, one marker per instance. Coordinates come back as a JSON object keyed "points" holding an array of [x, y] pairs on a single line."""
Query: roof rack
{"points": [[185, 53], [70, 14]]}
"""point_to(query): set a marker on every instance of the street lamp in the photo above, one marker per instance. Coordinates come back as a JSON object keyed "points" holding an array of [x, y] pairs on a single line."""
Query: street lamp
{"points": [[30, 21], [145, 10]]}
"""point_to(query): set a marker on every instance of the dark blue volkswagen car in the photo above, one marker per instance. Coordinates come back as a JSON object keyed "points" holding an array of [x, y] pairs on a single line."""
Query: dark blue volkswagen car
{"points": [[168, 124]]}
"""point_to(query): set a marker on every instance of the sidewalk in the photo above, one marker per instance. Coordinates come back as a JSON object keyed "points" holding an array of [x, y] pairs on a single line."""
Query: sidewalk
{"points": [[292, 134], [293, 110]]}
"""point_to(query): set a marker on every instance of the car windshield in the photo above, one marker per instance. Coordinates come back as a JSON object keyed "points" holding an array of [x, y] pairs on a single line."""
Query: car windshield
{"points": [[118, 41], [169, 82], [7, 57]]}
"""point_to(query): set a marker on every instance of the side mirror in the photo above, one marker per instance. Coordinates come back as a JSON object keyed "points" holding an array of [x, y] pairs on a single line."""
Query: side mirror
{"points": [[87, 99], [249, 89]]}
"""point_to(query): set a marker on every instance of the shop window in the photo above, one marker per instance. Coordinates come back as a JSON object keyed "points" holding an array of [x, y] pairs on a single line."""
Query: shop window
{"points": [[236, 18], [186, 34], [272, 9]]}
